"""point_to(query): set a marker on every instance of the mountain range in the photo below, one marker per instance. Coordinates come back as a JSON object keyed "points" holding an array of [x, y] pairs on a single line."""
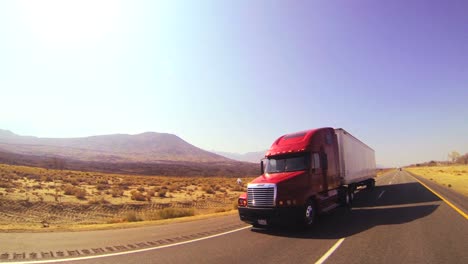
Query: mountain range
{"points": [[147, 153], [145, 147], [253, 157]]}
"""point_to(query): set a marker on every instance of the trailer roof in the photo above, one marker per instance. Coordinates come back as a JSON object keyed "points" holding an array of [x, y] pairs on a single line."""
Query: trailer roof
{"points": [[347, 133]]}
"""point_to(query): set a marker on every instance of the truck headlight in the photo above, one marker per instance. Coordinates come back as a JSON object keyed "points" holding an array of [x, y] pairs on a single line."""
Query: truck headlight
{"points": [[242, 202]]}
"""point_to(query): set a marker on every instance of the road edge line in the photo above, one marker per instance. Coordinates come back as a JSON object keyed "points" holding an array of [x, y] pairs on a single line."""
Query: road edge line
{"points": [[127, 252], [458, 210], [330, 251]]}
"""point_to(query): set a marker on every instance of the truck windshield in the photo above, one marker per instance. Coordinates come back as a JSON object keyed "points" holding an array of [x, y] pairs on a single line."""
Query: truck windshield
{"points": [[286, 163]]}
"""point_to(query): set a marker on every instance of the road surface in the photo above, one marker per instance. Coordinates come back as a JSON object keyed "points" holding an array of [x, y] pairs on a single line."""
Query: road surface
{"points": [[400, 221]]}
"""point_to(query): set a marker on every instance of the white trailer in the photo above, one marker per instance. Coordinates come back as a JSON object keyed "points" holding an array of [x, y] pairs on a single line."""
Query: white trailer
{"points": [[357, 160]]}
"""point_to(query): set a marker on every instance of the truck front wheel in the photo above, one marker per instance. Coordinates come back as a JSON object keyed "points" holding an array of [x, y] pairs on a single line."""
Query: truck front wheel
{"points": [[309, 214]]}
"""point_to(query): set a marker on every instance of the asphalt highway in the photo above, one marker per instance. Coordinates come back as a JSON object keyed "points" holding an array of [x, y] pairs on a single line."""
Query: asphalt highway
{"points": [[400, 221]]}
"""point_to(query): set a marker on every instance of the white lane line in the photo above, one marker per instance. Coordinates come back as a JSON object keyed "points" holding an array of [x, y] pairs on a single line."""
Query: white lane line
{"points": [[380, 195], [330, 251], [130, 252]]}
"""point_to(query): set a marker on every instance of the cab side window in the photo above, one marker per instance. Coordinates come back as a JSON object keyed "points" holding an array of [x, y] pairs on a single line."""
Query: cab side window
{"points": [[328, 139], [315, 161]]}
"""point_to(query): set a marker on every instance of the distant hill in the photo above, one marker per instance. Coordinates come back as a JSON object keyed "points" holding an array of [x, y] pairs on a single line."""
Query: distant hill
{"points": [[253, 157], [148, 153], [145, 147]]}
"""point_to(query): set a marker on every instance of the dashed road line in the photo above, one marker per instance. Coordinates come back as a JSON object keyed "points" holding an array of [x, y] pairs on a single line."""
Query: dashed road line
{"points": [[380, 195], [330, 251]]}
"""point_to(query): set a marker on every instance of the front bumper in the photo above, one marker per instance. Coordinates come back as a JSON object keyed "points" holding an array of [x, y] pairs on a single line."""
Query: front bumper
{"points": [[269, 216]]}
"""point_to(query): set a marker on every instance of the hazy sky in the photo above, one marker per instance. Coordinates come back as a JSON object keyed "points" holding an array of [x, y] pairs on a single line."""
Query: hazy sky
{"points": [[233, 76]]}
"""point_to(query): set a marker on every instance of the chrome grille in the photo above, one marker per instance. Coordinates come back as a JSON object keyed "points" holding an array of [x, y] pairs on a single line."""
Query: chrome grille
{"points": [[261, 195]]}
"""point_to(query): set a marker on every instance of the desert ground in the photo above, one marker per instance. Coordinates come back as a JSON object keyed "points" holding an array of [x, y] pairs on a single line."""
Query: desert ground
{"points": [[454, 177], [37, 198]]}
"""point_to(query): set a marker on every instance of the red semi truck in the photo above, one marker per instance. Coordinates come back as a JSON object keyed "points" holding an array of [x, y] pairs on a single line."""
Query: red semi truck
{"points": [[305, 174]]}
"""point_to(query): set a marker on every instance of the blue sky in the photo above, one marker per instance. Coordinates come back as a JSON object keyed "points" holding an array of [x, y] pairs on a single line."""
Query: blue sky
{"points": [[234, 75]]}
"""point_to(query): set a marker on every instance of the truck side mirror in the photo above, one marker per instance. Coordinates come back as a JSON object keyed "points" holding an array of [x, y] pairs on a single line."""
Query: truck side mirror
{"points": [[262, 168]]}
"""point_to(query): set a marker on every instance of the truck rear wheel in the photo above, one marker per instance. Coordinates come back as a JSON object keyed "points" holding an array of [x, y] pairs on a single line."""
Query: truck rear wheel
{"points": [[343, 197], [350, 197]]}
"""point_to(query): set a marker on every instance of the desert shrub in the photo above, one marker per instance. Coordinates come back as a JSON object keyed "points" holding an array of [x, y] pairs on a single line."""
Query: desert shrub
{"points": [[162, 193], [141, 189], [148, 198], [132, 217], [76, 191], [80, 193], [238, 188], [125, 184], [176, 212], [115, 220], [210, 191], [33, 176], [152, 215], [6, 184], [69, 189], [102, 186], [73, 182], [150, 193], [37, 186], [137, 196], [174, 188], [96, 201], [103, 181], [116, 192]]}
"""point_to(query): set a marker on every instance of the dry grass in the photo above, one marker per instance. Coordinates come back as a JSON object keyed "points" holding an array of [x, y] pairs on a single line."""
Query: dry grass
{"points": [[454, 177], [30, 196]]}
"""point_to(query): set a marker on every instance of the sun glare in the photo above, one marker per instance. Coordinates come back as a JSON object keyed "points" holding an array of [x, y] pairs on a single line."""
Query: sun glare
{"points": [[64, 24]]}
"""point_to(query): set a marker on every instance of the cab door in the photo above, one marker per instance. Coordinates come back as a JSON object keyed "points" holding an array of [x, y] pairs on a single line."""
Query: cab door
{"points": [[317, 181]]}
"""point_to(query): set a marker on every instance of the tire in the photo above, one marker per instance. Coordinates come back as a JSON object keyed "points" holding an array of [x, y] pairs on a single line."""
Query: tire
{"points": [[351, 196], [344, 198], [309, 214], [370, 184], [348, 200]]}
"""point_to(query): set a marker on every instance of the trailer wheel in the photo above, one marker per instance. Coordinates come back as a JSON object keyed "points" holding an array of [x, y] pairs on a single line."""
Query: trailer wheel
{"points": [[370, 184], [309, 214]]}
